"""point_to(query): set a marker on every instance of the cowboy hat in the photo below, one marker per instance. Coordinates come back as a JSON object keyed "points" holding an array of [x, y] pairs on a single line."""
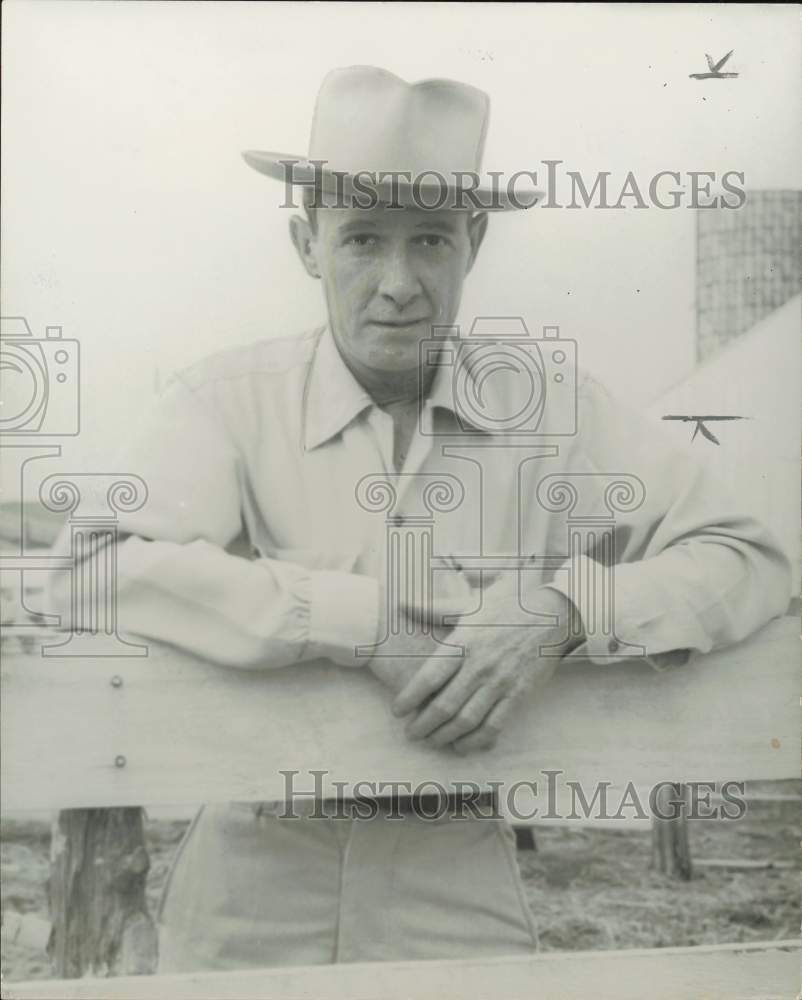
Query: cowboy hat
{"points": [[376, 137]]}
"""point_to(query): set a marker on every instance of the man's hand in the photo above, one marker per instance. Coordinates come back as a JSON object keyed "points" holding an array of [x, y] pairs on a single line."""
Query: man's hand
{"points": [[466, 703], [412, 647]]}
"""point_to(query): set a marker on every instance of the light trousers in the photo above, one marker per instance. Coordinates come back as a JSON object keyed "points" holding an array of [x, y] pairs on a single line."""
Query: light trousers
{"points": [[250, 890]]}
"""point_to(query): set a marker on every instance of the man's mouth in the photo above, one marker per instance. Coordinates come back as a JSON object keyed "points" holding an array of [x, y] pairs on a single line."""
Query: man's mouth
{"points": [[398, 324]]}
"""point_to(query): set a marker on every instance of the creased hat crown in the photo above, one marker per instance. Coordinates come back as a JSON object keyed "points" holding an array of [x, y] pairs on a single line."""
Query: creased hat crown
{"points": [[367, 119]]}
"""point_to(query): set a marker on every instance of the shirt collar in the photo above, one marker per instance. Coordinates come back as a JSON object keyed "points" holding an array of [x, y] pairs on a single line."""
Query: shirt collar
{"points": [[442, 396], [334, 398]]}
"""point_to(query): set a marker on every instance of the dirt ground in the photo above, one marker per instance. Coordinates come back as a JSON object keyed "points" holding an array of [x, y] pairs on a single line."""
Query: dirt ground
{"points": [[588, 888]]}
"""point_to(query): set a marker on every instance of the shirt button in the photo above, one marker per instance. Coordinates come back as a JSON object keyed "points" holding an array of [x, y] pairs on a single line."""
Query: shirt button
{"points": [[613, 646]]}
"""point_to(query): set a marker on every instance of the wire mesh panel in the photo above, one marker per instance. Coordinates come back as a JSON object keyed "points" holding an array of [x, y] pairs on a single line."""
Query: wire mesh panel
{"points": [[747, 265]]}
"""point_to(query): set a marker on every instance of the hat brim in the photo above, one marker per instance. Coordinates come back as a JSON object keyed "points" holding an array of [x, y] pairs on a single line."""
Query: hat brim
{"points": [[482, 194]]}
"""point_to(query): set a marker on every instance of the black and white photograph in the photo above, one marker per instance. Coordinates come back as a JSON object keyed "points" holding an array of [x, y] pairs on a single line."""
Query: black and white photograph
{"points": [[400, 517]]}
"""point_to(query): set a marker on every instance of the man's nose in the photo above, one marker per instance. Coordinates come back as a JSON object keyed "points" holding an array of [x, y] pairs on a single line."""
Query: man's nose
{"points": [[399, 282]]}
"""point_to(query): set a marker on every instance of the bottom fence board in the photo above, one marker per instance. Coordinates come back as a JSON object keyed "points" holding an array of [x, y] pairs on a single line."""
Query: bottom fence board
{"points": [[720, 972]]}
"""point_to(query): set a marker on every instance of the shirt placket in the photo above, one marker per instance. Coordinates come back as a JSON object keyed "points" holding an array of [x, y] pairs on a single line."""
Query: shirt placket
{"points": [[407, 527]]}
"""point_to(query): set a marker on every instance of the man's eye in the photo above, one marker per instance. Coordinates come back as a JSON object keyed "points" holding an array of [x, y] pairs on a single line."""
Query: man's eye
{"points": [[433, 240], [361, 240]]}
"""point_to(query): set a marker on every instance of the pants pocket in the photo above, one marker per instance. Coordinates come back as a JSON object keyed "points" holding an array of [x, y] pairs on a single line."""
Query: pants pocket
{"points": [[176, 859], [506, 836]]}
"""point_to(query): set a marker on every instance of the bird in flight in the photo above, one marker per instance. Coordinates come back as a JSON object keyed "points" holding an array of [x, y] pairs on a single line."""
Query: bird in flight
{"points": [[699, 421], [715, 69]]}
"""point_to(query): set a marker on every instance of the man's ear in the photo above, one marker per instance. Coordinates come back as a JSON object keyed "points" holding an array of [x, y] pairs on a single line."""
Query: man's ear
{"points": [[303, 239], [477, 227]]}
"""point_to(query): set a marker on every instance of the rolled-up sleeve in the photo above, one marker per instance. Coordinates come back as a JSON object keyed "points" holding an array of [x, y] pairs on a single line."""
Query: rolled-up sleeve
{"points": [[176, 582], [691, 571]]}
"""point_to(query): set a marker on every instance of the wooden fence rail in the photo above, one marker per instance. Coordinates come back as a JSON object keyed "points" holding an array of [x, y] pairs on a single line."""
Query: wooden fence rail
{"points": [[170, 729], [768, 971]]}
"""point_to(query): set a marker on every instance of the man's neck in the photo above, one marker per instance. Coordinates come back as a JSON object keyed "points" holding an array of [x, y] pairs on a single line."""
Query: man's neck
{"points": [[392, 388], [400, 395]]}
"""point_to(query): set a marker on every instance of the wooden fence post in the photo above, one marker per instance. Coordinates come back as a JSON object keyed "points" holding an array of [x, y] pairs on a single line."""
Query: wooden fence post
{"points": [[671, 852], [100, 920]]}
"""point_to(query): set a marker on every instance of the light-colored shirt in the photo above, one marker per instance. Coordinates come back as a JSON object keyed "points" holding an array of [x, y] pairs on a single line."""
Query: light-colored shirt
{"points": [[262, 540]]}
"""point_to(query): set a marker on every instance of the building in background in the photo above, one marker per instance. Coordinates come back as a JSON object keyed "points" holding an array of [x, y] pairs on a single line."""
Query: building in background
{"points": [[748, 312]]}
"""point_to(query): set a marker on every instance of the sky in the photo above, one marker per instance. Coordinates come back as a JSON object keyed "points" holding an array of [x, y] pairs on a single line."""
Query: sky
{"points": [[130, 219]]}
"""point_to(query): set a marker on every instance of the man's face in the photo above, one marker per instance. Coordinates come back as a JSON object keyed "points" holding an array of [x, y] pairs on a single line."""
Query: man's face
{"points": [[389, 275]]}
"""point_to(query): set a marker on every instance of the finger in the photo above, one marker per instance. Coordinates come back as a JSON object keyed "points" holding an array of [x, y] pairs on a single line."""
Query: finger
{"points": [[434, 673], [469, 718], [486, 735], [444, 707]]}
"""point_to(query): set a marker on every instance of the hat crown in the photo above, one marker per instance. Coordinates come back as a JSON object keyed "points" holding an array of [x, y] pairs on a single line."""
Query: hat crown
{"points": [[368, 119]]}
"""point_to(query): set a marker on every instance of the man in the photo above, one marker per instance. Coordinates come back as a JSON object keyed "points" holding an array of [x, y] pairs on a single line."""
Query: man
{"points": [[260, 547]]}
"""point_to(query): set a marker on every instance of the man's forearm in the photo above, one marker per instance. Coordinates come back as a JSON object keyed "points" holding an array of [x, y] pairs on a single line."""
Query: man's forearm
{"points": [[263, 613]]}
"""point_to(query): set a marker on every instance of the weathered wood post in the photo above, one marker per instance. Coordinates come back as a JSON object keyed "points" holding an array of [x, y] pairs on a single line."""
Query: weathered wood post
{"points": [[671, 853], [100, 920], [100, 924]]}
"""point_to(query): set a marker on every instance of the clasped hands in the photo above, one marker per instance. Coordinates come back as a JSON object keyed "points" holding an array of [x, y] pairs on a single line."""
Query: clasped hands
{"points": [[463, 701]]}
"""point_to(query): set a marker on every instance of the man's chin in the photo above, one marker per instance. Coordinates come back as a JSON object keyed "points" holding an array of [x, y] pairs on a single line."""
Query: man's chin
{"points": [[397, 349], [386, 358]]}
